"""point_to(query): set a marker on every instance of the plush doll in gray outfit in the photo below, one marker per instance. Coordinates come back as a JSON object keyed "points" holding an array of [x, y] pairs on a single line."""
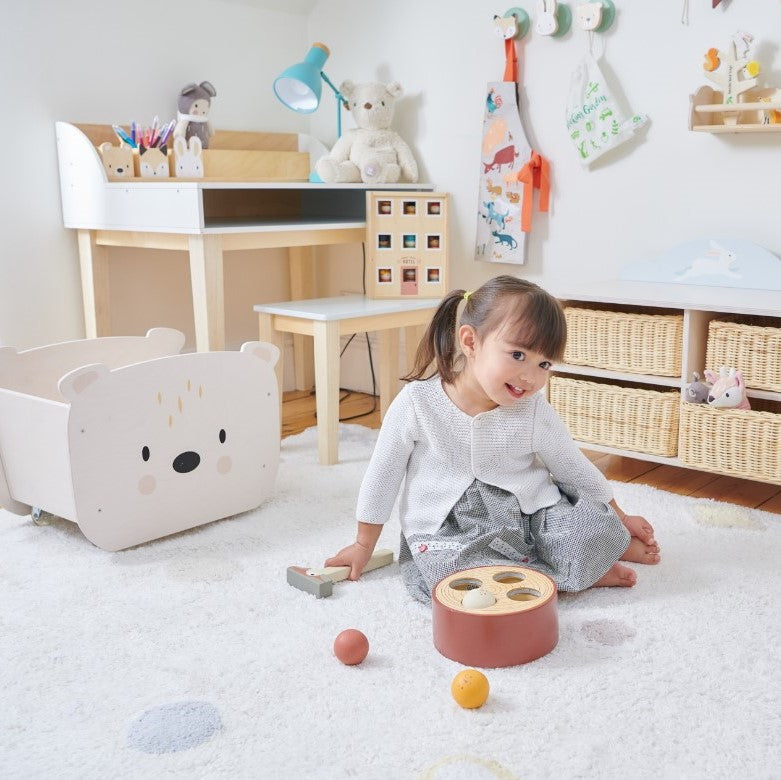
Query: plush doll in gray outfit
{"points": [[696, 392], [192, 117]]}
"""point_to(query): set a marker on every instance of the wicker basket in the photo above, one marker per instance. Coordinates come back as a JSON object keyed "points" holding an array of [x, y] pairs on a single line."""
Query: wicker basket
{"points": [[754, 350], [624, 341], [626, 417], [737, 442]]}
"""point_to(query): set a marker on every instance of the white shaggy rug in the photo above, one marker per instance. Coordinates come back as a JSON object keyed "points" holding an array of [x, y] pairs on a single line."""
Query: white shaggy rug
{"points": [[192, 657]]}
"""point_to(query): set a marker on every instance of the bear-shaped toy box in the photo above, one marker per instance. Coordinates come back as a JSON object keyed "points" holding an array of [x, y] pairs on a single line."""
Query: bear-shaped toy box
{"points": [[137, 441]]}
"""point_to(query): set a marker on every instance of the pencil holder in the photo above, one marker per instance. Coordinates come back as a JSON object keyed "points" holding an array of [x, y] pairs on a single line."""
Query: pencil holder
{"points": [[153, 163], [188, 158], [117, 160]]}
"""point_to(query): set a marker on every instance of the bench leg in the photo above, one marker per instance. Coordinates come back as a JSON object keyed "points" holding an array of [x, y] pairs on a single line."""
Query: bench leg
{"points": [[326, 344]]}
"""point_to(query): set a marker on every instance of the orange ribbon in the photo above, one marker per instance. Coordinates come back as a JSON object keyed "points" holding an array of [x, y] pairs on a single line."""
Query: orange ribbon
{"points": [[510, 61], [535, 175]]}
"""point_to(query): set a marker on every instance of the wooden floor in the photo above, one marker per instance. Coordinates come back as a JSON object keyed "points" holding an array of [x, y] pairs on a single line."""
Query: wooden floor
{"points": [[298, 413]]}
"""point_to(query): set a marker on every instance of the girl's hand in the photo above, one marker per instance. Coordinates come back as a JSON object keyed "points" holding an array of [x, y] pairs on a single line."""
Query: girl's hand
{"points": [[356, 556], [638, 526]]}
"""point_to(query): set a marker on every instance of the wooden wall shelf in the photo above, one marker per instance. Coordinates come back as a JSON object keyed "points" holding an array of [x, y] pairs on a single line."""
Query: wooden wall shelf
{"points": [[708, 113]]}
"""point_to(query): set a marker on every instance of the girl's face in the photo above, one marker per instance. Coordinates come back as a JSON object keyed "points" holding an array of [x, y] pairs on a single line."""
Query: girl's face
{"points": [[499, 372]]}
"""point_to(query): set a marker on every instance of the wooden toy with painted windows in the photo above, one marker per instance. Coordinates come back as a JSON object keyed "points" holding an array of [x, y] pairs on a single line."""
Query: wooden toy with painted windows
{"points": [[406, 244]]}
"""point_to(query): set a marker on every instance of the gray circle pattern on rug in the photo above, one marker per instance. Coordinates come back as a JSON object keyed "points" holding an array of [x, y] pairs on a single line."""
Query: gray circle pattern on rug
{"points": [[170, 728], [608, 632]]}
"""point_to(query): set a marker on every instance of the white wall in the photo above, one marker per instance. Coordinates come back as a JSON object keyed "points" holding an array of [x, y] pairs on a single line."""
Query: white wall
{"points": [[91, 61], [671, 186], [96, 62]]}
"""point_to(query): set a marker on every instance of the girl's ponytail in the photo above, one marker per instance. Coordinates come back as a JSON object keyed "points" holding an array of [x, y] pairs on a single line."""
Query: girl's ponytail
{"points": [[438, 345]]}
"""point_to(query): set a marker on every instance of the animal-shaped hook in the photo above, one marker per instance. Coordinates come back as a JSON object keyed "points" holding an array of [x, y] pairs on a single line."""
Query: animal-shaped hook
{"points": [[553, 18], [596, 16], [514, 24]]}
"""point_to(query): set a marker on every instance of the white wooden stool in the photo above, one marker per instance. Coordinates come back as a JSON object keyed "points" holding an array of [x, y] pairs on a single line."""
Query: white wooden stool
{"points": [[327, 319]]}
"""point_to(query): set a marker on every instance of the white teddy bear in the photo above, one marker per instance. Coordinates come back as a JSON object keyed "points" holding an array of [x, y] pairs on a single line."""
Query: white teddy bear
{"points": [[371, 153]]}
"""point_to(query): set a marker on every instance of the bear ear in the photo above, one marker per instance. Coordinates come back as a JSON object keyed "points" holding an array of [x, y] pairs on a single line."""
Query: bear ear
{"points": [[75, 382], [347, 88], [207, 86], [394, 89], [168, 338], [263, 350], [105, 146], [188, 88]]}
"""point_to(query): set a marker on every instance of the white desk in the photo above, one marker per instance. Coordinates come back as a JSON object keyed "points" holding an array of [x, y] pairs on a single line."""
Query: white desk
{"points": [[204, 218], [326, 320]]}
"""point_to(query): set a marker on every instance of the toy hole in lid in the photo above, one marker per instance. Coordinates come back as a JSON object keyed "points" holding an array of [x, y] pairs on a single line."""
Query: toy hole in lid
{"points": [[465, 584], [509, 577], [523, 594]]}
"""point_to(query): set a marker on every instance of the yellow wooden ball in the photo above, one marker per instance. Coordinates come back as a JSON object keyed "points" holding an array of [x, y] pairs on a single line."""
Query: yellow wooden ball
{"points": [[470, 689]]}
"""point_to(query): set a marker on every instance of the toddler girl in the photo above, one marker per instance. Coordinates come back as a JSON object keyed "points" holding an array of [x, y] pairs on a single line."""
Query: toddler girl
{"points": [[490, 472]]}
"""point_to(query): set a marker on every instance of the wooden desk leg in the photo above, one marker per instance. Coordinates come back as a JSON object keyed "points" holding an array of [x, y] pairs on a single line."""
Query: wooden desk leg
{"points": [[389, 368], [207, 291], [94, 285], [326, 343], [267, 332], [301, 266]]}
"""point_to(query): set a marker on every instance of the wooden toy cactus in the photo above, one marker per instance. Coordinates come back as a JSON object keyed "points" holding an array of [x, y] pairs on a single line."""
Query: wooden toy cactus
{"points": [[733, 72], [737, 104]]}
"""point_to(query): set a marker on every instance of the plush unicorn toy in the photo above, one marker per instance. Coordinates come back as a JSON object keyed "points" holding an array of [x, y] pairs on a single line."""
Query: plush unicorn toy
{"points": [[728, 390]]}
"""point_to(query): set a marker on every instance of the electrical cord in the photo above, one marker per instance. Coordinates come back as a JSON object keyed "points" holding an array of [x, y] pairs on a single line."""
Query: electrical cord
{"points": [[348, 393]]}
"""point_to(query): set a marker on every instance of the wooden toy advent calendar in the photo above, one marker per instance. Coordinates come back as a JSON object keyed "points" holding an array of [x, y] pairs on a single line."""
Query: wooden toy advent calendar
{"points": [[406, 244]]}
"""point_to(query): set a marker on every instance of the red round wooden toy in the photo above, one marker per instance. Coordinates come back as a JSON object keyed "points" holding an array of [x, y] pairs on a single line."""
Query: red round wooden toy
{"points": [[351, 646], [493, 616]]}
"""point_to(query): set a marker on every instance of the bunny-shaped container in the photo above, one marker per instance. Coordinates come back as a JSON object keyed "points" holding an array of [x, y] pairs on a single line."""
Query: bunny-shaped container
{"points": [[188, 158]]}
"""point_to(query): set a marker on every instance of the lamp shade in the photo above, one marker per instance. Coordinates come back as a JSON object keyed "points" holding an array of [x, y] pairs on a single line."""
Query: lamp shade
{"points": [[299, 86]]}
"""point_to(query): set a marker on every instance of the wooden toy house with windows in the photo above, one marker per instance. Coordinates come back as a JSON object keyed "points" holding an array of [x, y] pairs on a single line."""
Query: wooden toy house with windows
{"points": [[407, 244]]}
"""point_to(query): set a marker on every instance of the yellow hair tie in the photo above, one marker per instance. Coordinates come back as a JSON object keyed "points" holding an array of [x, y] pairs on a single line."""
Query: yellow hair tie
{"points": [[466, 295]]}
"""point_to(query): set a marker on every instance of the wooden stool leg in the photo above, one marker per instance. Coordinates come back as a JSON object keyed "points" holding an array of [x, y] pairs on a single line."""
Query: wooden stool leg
{"points": [[389, 368], [267, 332], [326, 343]]}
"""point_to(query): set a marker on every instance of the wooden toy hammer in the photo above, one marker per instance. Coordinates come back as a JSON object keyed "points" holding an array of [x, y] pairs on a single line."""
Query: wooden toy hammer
{"points": [[320, 582]]}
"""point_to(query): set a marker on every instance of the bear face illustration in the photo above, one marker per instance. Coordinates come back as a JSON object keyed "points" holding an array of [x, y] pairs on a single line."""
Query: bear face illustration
{"points": [[164, 445]]}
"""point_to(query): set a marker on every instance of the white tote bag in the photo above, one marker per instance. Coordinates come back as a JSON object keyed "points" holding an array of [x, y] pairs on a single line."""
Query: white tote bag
{"points": [[595, 122]]}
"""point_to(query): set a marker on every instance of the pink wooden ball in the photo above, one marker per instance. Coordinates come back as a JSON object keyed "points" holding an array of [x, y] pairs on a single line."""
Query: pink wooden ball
{"points": [[351, 646]]}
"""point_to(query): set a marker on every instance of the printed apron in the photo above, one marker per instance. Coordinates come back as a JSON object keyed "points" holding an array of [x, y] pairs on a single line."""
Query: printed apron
{"points": [[509, 173]]}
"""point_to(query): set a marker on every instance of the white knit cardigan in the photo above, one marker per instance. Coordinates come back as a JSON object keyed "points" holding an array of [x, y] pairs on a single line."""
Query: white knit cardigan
{"points": [[440, 450]]}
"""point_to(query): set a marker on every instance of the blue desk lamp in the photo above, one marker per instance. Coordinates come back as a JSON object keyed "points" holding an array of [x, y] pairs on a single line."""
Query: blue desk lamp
{"points": [[299, 86]]}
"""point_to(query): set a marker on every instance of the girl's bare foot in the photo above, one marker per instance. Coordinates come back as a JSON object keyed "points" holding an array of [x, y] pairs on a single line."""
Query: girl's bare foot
{"points": [[617, 576], [638, 526], [640, 552]]}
